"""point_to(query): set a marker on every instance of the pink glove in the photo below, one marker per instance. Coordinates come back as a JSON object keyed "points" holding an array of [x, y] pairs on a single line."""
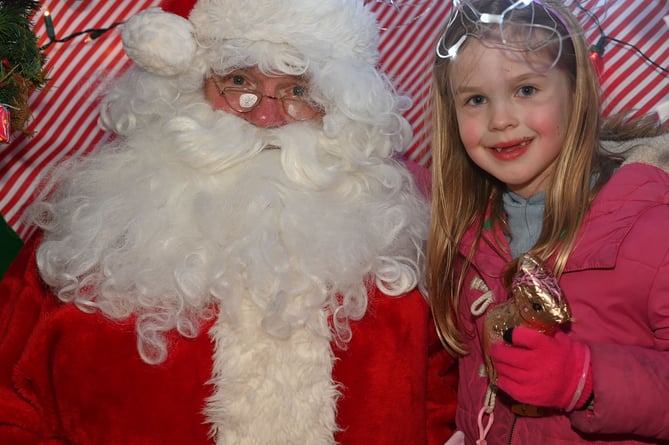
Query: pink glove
{"points": [[541, 370]]}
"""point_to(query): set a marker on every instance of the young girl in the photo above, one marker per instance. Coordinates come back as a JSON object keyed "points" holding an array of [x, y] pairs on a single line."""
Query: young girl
{"points": [[518, 167]]}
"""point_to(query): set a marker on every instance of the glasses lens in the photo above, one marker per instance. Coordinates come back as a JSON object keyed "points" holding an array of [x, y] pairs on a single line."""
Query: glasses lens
{"points": [[300, 109], [241, 100], [248, 100], [297, 107]]}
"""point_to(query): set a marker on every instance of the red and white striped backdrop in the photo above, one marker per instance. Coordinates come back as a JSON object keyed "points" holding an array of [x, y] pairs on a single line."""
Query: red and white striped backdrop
{"points": [[65, 113]]}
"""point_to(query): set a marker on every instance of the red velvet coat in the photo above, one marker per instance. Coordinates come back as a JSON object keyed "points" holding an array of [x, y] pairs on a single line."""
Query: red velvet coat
{"points": [[68, 377]]}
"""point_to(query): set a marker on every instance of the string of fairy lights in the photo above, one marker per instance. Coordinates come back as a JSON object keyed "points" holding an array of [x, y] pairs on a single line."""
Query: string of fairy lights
{"points": [[597, 50], [91, 33]]}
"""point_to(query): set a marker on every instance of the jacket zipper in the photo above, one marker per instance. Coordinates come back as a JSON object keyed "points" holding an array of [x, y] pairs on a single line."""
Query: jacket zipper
{"points": [[513, 427]]}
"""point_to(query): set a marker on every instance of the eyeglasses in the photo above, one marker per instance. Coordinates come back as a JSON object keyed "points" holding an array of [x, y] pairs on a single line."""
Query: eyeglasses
{"points": [[516, 34], [244, 100]]}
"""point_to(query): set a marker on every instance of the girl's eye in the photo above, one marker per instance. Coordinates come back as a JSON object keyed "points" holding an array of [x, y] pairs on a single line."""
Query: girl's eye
{"points": [[476, 100], [526, 90]]}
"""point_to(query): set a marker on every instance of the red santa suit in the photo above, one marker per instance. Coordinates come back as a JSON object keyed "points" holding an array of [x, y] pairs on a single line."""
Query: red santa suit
{"points": [[204, 281], [69, 377]]}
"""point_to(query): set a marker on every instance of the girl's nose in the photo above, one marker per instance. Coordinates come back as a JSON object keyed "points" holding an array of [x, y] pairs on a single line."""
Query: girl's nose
{"points": [[502, 117]]}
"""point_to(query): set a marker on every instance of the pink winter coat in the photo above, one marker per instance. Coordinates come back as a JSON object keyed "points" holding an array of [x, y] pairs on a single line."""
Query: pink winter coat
{"points": [[617, 284]]}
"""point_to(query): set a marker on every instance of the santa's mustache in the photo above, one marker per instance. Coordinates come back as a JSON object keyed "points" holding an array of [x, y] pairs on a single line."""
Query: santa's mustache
{"points": [[221, 140]]}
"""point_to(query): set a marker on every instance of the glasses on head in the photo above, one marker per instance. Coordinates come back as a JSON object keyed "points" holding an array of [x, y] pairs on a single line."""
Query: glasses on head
{"points": [[298, 105], [508, 31]]}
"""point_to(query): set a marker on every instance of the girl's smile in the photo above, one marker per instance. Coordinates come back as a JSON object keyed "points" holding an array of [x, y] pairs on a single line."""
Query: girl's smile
{"points": [[507, 151]]}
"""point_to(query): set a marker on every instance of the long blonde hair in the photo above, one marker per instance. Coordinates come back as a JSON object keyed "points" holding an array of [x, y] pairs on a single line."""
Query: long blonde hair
{"points": [[462, 193]]}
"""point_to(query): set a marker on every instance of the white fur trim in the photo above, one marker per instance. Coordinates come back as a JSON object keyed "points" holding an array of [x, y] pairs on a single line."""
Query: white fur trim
{"points": [[270, 390], [320, 30], [159, 42], [651, 150]]}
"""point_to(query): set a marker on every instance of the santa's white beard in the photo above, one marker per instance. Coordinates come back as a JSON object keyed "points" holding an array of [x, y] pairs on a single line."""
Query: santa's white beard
{"points": [[190, 220], [193, 214]]}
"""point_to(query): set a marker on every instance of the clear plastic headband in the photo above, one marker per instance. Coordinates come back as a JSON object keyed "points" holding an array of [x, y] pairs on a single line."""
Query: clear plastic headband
{"points": [[516, 27]]}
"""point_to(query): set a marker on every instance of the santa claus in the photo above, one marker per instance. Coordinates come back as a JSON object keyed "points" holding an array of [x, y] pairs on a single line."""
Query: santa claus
{"points": [[240, 266]]}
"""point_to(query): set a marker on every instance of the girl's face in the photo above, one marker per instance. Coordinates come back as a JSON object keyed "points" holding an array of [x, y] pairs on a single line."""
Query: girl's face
{"points": [[512, 119]]}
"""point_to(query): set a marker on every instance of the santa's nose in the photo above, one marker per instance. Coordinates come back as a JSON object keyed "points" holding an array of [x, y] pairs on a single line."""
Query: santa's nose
{"points": [[268, 114]]}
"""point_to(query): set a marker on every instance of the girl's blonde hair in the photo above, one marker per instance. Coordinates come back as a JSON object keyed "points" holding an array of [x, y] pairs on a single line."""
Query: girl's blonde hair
{"points": [[463, 194]]}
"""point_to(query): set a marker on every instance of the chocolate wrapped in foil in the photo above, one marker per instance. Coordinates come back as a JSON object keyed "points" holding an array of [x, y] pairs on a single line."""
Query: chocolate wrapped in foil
{"points": [[536, 301]]}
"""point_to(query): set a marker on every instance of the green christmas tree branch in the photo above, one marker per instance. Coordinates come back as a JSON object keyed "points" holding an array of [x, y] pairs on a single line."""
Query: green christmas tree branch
{"points": [[21, 60]]}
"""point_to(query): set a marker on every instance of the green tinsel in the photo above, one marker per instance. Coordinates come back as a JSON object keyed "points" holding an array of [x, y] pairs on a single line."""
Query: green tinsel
{"points": [[21, 60]]}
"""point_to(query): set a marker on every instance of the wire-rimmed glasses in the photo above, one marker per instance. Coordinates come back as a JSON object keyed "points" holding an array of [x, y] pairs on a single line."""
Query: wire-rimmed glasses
{"points": [[244, 100], [522, 36]]}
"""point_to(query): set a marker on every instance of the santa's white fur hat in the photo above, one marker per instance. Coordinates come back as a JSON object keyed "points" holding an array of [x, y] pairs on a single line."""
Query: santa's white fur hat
{"points": [[321, 31], [334, 43], [160, 42]]}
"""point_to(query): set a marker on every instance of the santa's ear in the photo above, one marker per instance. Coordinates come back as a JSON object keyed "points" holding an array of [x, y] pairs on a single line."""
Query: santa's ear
{"points": [[158, 41]]}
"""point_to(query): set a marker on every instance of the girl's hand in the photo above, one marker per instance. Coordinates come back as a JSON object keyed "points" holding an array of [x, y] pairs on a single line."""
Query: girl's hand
{"points": [[541, 370]]}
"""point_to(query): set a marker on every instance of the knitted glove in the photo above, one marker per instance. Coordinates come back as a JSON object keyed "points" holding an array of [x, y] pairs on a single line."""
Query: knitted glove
{"points": [[541, 370]]}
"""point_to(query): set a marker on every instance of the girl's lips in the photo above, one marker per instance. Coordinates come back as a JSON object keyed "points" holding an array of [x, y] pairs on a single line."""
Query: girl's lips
{"points": [[508, 151], [511, 145]]}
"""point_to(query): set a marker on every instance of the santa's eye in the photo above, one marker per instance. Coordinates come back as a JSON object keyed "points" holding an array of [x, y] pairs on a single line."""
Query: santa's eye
{"points": [[299, 90], [293, 90], [237, 80]]}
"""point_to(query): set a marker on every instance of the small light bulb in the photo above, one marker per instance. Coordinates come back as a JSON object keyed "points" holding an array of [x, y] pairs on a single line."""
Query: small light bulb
{"points": [[490, 18], [453, 50], [48, 23], [597, 62]]}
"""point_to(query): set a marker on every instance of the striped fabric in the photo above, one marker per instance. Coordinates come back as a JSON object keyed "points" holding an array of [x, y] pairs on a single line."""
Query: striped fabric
{"points": [[65, 113]]}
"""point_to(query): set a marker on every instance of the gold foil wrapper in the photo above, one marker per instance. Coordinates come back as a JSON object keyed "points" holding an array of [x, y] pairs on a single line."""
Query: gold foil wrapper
{"points": [[536, 301]]}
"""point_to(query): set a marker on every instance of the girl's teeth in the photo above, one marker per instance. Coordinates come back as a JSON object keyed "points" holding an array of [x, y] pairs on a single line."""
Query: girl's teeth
{"points": [[522, 144]]}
